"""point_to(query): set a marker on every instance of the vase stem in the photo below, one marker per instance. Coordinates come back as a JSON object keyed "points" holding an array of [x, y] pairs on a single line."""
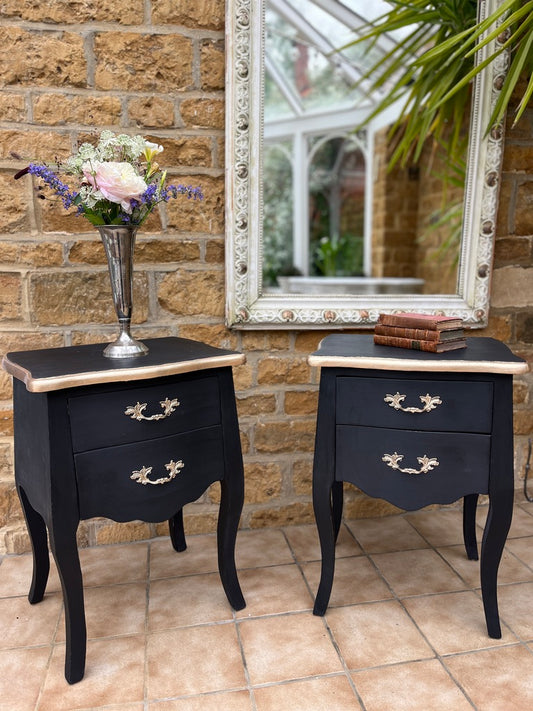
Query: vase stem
{"points": [[119, 245]]}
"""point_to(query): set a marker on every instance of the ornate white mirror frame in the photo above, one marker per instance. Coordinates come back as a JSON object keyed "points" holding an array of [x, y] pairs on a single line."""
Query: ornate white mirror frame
{"points": [[247, 306]]}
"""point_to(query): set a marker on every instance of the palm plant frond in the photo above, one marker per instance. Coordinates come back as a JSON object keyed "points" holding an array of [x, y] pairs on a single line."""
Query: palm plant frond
{"points": [[446, 45]]}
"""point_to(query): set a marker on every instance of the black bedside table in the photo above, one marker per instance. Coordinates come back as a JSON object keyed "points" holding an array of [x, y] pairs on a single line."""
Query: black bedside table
{"points": [[415, 429], [128, 439]]}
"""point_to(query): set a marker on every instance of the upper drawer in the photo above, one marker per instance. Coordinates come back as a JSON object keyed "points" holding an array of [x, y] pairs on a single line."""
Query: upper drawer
{"points": [[141, 413], [447, 406]]}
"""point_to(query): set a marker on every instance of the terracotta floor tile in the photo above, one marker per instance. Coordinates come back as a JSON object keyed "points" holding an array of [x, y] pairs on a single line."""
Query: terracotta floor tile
{"points": [[306, 547], [173, 643], [522, 523], [113, 564], [415, 686], [263, 547], [192, 600], [22, 624], [274, 590], [287, 647], [194, 660], [114, 674], [18, 689], [225, 701], [522, 503], [377, 633], [356, 580], [332, 693], [16, 574], [440, 527], [112, 611], [522, 548], [200, 557], [511, 569], [417, 572], [467, 569], [381, 535], [496, 679], [515, 604], [454, 622]]}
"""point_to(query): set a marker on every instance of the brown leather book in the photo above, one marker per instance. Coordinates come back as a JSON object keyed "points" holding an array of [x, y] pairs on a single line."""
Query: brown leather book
{"points": [[418, 344], [420, 334], [426, 321]]}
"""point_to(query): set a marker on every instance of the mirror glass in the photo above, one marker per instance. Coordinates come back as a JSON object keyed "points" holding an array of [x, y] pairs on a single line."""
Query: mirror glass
{"points": [[319, 231]]}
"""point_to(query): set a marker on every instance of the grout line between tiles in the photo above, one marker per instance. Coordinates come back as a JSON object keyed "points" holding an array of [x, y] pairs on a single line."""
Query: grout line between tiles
{"points": [[146, 625], [249, 686]]}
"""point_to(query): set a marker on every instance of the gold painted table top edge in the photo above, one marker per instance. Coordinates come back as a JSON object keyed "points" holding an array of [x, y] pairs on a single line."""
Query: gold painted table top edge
{"points": [[40, 385], [414, 364]]}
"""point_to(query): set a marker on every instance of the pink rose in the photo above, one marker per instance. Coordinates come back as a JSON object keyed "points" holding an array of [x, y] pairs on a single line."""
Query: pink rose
{"points": [[118, 182]]}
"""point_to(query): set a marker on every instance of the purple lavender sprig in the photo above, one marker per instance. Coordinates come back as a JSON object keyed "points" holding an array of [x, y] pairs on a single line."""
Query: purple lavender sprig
{"points": [[154, 194], [175, 190], [49, 178]]}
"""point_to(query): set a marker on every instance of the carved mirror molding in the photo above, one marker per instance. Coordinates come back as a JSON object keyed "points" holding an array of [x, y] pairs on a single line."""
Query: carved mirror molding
{"points": [[247, 305]]}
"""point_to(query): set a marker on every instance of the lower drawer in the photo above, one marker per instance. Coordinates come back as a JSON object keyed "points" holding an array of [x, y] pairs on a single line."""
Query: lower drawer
{"points": [[412, 469], [110, 480]]}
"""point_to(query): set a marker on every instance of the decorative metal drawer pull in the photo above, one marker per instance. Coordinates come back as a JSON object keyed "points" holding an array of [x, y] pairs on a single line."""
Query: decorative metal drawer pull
{"points": [[136, 411], [430, 402], [142, 475], [393, 461]]}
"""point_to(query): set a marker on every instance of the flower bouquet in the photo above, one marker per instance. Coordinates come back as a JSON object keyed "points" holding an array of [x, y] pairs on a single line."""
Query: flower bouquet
{"points": [[119, 184], [119, 181]]}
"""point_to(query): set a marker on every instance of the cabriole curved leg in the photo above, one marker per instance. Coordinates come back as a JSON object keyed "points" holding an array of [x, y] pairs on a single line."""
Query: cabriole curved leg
{"points": [[65, 552], [494, 537], [177, 532], [322, 498], [469, 525], [231, 492], [39, 544], [231, 502], [336, 506], [327, 493]]}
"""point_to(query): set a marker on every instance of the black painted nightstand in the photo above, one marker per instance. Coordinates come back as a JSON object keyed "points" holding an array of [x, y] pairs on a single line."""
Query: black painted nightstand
{"points": [[128, 439], [415, 429]]}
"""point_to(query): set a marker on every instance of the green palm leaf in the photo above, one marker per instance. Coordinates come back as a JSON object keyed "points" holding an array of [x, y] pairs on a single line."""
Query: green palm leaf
{"points": [[431, 70]]}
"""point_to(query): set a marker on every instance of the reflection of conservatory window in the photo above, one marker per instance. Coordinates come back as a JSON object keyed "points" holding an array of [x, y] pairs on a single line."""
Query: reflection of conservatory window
{"points": [[319, 227], [317, 187]]}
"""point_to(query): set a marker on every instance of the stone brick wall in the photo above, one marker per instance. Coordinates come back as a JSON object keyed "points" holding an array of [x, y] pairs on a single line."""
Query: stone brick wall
{"points": [[68, 69]]}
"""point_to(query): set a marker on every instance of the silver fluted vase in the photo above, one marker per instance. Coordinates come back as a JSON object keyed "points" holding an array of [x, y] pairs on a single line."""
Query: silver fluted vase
{"points": [[119, 245]]}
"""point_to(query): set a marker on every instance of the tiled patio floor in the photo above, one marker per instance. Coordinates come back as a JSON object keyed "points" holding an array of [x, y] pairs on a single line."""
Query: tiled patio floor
{"points": [[405, 629]]}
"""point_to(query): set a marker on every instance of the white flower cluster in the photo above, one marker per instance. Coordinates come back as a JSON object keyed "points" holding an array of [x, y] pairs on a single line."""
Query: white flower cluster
{"points": [[110, 148]]}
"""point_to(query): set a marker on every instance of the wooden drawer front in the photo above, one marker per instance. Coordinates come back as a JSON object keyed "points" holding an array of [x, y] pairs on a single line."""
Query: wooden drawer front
{"points": [[106, 487], [464, 407], [463, 464], [101, 420]]}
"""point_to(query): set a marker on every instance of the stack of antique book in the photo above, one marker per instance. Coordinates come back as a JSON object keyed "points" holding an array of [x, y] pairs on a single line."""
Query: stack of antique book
{"points": [[421, 332]]}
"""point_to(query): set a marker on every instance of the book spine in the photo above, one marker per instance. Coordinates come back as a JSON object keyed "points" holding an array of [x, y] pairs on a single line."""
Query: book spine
{"points": [[412, 343], [409, 322], [423, 334]]}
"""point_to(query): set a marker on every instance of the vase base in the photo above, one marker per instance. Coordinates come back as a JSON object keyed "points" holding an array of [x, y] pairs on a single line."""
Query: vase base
{"points": [[125, 347]]}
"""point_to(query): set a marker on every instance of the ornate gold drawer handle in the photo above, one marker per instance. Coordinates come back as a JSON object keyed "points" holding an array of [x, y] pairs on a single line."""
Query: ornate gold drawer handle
{"points": [[430, 402], [136, 411], [393, 461], [142, 475]]}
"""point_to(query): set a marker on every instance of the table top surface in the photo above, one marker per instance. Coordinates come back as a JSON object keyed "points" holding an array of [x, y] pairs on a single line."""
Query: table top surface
{"points": [[72, 366], [481, 355]]}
